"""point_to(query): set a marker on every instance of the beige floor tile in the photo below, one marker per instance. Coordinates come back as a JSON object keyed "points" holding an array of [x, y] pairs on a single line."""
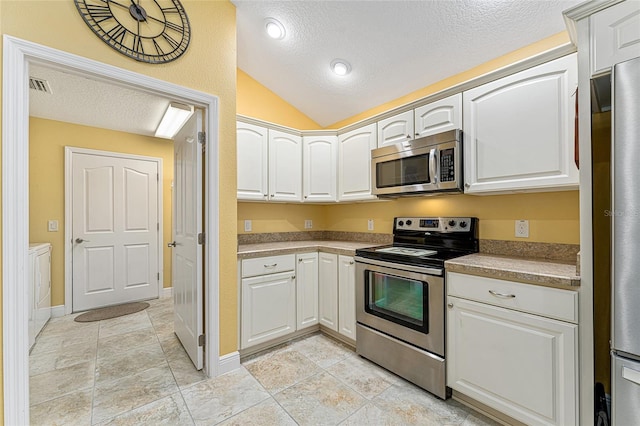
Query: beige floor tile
{"points": [[68, 410], [159, 317], [51, 342], [268, 412], [320, 400], [220, 398], [130, 362], [67, 324], [364, 377], [171, 346], [124, 324], [56, 383], [477, 419], [322, 350], [61, 358], [370, 415], [184, 371], [281, 370], [119, 396], [170, 410], [164, 330], [109, 346]]}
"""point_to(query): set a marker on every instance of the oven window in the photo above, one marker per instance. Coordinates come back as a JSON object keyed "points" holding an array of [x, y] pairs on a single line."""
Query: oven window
{"points": [[412, 170], [397, 299]]}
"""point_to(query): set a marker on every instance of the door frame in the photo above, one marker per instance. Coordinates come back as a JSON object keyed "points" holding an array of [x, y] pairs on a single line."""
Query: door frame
{"points": [[17, 55], [68, 216]]}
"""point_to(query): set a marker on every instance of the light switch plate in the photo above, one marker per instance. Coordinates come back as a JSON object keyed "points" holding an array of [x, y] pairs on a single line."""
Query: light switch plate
{"points": [[522, 228], [370, 224], [247, 226], [308, 224], [52, 226]]}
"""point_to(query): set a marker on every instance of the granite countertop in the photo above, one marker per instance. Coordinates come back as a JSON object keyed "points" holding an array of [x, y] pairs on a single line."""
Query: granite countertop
{"points": [[347, 248], [543, 272]]}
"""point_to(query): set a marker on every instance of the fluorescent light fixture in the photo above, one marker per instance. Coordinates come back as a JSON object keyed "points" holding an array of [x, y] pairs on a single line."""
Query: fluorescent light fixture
{"points": [[274, 28], [174, 118], [340, 67]]}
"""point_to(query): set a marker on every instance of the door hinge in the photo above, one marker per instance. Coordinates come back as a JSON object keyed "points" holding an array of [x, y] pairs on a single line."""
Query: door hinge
{"points": [[158, 276], [202, 139], [158, 226], [201, 340], [158, 177], [201, 238]]}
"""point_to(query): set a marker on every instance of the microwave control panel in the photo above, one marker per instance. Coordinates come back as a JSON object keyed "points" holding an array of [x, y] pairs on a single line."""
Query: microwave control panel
{"points": [[447, 165]]}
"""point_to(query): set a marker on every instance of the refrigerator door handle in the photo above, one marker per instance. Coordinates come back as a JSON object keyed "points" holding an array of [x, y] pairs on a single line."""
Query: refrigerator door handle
{"points": [[631, 375]]}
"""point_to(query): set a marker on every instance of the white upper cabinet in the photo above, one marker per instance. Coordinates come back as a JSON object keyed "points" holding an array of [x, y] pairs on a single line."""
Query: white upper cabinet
{"points": [[285, 166], [439, 116], [354, 163], [615, 35], [519, 131], [398, 128], [320, 168], [252, 162]]}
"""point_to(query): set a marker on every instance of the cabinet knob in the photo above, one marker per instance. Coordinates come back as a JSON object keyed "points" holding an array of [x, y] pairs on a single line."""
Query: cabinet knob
{"points": [[306, 197], [300, 260], [466, 185], [450, 305], [293, 277], [351, 263], [272, 195]]}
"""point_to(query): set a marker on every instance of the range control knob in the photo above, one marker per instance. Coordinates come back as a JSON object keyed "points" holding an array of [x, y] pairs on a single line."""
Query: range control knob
{"points": [[452, 223], [463, 224], [409, 222], [400, 223]]}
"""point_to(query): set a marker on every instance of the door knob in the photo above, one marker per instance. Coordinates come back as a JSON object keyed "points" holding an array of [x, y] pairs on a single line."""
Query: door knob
{"points": [[171, 244], [80, 241]]}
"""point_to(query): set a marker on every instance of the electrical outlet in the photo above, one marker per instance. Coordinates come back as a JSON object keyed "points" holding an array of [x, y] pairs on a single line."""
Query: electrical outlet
{"points": [[52, 226], [522, 228], [247, 226], [370, 224], [308, 224]]}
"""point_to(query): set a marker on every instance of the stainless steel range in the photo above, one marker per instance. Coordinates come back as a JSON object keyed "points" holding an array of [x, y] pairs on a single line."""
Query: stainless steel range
{"points": [[400, 297]]}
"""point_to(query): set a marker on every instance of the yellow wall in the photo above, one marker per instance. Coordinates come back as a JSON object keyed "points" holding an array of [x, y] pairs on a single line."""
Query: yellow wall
{"points": [[209, 65], [553, 217], [46, 183], [257, 101]]}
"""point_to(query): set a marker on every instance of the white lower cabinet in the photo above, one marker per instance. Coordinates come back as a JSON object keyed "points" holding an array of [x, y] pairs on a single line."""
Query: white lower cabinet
{"points": [[521, 364], [328, 290], [307, 290], [347, 296]]}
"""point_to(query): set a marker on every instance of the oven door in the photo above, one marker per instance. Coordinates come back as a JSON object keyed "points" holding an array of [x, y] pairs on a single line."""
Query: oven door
{"points": [[403, 301]]}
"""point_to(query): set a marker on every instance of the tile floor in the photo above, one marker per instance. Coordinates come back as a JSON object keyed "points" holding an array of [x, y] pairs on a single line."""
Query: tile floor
{"points": [[133, 371]]}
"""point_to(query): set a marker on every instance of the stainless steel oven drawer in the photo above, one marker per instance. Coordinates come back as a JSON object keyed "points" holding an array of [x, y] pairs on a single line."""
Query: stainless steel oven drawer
{"points": [[417, 366]]}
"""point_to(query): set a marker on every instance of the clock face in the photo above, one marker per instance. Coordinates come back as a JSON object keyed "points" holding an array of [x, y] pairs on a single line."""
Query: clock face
{"points": [[153, 31]]}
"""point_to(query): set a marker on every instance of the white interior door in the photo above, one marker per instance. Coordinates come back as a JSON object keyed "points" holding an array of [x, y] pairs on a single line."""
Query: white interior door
{"points": [[187, 252], [115, 229]]}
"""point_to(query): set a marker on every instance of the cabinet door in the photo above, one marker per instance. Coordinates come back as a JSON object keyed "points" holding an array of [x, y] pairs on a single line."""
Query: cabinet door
{"points": [[519, 130], [520, 364], [268, 307], [347, 297], [615, 35], [306, 290], [320, 168], [328, 290], [398, 128], [285, 166], [439, 116], [252, 162], [354, 163]]}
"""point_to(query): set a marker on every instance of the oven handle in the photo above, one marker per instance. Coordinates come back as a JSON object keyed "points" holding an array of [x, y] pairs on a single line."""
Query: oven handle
{"points": [[400, 266]]}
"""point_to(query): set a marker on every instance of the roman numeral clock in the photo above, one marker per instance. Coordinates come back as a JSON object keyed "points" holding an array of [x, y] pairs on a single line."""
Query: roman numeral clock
{"points": [[152, 31]]}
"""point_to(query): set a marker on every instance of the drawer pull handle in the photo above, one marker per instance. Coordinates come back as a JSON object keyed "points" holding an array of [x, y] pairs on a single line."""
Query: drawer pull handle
{"points": [[271, 266], [504, 295]]}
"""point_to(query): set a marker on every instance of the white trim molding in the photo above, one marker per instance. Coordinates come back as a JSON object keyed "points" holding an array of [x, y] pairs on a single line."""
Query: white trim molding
{"points": [[17, 56], [166, 293], [229, 362], [57, 311], [68, 216]]}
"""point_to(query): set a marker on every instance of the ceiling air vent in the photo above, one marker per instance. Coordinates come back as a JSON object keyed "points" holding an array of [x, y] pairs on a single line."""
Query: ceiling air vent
{"points": [[39, 85]]}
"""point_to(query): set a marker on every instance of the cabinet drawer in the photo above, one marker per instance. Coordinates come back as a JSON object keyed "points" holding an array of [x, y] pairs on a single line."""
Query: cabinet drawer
{"points": [[268, 265], [545, 301]]}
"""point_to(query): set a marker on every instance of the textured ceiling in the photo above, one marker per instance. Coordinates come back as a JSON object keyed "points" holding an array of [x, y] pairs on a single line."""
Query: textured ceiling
{"points": [[394, 47]]}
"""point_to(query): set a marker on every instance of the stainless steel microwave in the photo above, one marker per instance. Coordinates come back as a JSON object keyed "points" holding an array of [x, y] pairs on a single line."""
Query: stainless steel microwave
{"points": [[425, 165]]}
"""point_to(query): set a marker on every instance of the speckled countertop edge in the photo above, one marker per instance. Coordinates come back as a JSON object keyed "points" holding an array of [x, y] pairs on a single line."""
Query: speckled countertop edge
{"points": [[528, 270], [347, 248]]}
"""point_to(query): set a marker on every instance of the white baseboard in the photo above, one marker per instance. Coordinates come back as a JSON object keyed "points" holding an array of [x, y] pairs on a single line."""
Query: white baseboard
{"points": [[57, 311], [166, 292], [229, 362]]}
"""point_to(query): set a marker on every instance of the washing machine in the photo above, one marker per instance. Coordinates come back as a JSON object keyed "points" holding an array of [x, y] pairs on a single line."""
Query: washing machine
{"points": [[39, 289]]}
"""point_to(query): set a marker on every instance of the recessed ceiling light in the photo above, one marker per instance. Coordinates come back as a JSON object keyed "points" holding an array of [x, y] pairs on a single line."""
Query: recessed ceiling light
{"points": [[274, 28], [340, 67]]}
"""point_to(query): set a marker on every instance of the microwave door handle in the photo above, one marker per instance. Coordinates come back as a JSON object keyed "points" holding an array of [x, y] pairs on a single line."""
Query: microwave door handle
{"points": [[433, 172]]}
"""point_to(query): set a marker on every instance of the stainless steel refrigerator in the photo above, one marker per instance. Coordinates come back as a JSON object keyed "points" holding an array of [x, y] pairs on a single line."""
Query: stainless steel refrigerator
{"points": [[625, 164]]}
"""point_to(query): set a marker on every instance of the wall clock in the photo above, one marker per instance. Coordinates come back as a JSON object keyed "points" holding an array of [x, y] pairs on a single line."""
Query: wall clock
{"points": [[152, 31]]}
